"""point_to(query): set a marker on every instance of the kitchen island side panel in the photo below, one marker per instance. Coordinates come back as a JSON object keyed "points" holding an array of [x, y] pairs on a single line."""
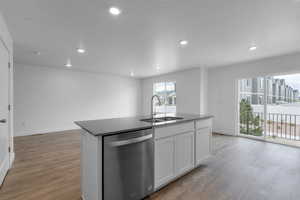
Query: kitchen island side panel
{"points": [[91, 166]]}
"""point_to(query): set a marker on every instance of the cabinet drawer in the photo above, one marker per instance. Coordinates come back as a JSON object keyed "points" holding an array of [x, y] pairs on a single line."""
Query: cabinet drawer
{"points": [[175, 129], [203, 123]]}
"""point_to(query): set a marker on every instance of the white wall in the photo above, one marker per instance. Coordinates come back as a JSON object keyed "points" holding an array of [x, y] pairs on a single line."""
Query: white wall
{"points": [[48, 100], [190, 90], [223, 88]]}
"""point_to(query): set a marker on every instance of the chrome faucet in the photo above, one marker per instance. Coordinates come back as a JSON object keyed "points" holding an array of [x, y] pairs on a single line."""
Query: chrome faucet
{"points": [[159, 102]]}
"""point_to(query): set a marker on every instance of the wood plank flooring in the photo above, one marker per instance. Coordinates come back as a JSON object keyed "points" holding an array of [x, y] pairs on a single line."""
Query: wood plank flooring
{"points": [[47, 167]]}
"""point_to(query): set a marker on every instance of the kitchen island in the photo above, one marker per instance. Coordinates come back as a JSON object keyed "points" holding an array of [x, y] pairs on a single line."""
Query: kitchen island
{"points": [[130, 158]]}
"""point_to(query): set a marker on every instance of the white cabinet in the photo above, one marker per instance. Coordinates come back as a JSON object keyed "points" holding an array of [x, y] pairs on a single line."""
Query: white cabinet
{"points": [[184, 153], [164, 160], [174, 156], [203, 144], [179, 148], [174, 152]]}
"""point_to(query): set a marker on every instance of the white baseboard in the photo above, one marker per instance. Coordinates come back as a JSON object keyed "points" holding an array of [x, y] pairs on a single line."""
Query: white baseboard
{"points": [[11, 159], [4, 168], [203, 160], [45, 131]]}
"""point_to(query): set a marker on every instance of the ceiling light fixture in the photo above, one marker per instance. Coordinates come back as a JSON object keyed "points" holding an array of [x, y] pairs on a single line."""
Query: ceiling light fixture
{"points": [[183, 42], [115, 11], [131, 74], [68, 64], [252, 48], [81, 50], [158, 67], [37, 53]]}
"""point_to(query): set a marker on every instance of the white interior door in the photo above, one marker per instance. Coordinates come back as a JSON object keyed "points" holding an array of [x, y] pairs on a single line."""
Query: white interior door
{"points": [[4, 99]]}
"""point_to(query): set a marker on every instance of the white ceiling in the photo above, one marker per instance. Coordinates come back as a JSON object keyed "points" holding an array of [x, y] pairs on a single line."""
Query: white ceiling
{"points": [[147, 33]]}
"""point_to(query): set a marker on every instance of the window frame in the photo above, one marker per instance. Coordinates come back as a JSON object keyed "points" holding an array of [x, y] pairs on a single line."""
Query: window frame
{"points": [[165, 101]]}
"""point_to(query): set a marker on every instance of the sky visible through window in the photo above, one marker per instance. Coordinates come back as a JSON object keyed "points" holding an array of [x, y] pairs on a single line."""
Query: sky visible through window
{"points": [[291, 80]]}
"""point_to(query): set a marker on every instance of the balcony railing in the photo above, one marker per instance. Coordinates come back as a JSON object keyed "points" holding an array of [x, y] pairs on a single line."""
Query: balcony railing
{"points": [[285, 126]]}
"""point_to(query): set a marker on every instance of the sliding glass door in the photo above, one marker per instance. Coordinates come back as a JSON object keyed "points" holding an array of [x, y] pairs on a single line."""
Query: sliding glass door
{"points": [[269, 108], [251, 106], [283, 124]]}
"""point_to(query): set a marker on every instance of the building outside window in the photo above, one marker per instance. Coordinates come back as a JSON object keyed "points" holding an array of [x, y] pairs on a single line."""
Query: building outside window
{"points": [[270, 111], [248, 83], [167, 95], [248, 99], [260, 100], [261, 83]]}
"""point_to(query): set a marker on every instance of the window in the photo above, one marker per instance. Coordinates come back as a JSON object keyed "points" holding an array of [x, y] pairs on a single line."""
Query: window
{"points": [[248, 99], [167, 95], [261, 83], [260, 100], [248, 83]]}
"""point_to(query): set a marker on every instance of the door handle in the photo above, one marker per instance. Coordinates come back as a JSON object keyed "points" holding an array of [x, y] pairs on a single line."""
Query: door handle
{"points": [[3, 121]]}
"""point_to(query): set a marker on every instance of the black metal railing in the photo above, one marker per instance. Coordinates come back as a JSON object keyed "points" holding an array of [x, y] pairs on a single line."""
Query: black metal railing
{"points": [[252, 123], [286, 126]]}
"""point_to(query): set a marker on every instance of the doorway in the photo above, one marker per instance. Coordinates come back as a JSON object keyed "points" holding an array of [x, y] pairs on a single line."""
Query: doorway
{"points": [[251, 107], [4, 111], [269, 108]]}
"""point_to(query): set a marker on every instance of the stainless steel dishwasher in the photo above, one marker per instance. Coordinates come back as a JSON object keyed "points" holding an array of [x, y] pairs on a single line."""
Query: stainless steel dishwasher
{"points": [[128, 165]]}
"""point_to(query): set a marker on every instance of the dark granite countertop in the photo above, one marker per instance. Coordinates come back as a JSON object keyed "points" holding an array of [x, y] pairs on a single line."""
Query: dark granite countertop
{"points": [[104, 127]]}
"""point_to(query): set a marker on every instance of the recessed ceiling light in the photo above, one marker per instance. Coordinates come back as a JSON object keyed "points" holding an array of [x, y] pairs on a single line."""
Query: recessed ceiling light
{"points": [[252, 48], [183, 42], [158, 67], [68, 64], [37, 53], [115, 11], [131, 74], [81, 50]]}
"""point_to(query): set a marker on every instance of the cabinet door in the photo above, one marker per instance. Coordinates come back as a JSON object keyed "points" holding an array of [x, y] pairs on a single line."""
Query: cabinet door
{"points": [[203, 144], [164, 161], [184, 153]]}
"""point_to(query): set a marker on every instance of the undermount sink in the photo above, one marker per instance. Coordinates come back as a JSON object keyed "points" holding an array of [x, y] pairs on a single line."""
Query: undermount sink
{"points": [[161, 119]]}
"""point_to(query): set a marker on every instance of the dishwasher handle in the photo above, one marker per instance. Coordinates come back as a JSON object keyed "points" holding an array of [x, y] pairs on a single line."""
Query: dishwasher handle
{"points": [[131, 141]]}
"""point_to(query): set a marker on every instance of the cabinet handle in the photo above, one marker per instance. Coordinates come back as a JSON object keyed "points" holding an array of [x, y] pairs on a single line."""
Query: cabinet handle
{"points": [[3, 121]]}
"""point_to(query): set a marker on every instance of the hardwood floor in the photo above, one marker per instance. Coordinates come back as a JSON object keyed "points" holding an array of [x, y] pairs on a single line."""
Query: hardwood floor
{"points": [[47, 168]]}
